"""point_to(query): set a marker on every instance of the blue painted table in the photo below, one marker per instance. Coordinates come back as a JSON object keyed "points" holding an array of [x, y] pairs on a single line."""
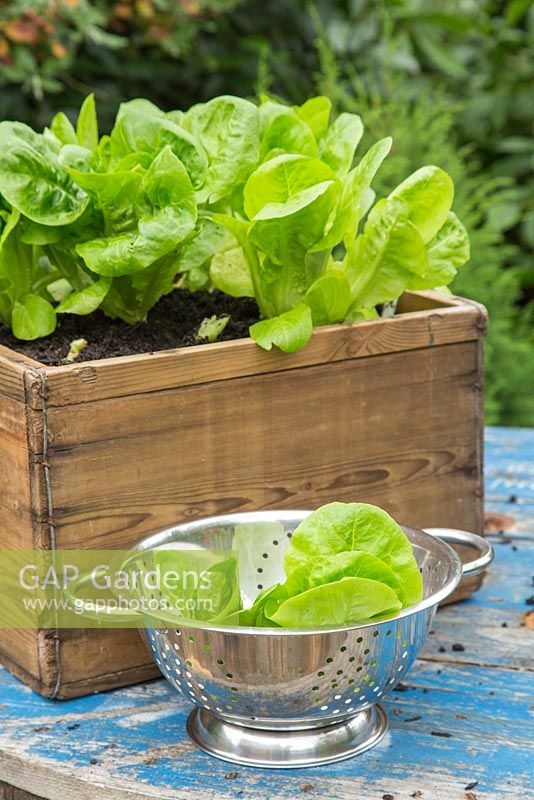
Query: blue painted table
{"points": [[461, 728]]}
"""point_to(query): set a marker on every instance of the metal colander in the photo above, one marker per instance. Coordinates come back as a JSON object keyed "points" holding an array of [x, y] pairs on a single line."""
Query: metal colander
{"points": [[282, 697]]}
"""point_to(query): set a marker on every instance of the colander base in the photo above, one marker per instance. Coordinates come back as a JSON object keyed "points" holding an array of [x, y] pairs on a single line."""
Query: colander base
{"points": [[288, 749]]}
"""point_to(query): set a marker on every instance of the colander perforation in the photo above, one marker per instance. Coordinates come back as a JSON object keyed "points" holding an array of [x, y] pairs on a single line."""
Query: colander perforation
{"points": [[312, 693]]}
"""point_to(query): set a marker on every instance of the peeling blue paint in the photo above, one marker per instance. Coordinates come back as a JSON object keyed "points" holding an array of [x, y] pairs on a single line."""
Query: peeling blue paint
{"points": [[481, 696]]}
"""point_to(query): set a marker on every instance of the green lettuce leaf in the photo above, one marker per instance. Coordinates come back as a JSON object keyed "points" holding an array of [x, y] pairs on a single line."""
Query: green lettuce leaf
{"points": [[340, 527], [386, 256], [446, 252], [348, 564], [343, 602], [288, 133], [351, 204], [211, 327], [284, 185], [210, 584], [141, 105], [153, 282], [427, 197], [340, 141], [316, 114], [219, 602], [23, 280], [227, 129], [166, 214], [289, 199], [33, 180], [197, 253], [87, 124], [361, 315], [329, 298], [35, 233], [62, 129], [87, 300], [289, 331], [230, 273], [33, 317], [269, 110], [139, 130], [78, 160], [256, 616], [59, 289]]}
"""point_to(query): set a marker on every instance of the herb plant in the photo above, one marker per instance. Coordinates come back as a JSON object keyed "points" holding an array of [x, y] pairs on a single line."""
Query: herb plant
{"points": [[346, 563], [262, 201]]}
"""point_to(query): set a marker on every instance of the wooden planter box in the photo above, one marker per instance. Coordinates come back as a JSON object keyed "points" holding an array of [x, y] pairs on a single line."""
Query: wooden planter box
{"points": [[97, 455]]}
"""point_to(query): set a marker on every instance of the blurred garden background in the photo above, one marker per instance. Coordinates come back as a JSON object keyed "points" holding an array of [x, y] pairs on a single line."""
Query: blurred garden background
{"points": [[452, 81]]}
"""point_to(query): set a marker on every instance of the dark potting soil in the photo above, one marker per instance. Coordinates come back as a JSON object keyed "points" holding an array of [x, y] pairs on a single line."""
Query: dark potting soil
{"points": [[173, 322]]}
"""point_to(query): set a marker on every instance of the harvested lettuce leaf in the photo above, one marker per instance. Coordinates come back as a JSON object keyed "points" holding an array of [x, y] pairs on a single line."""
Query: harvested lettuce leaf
{"points": [[346, 563], [342, 602], [350, 564], [341, 527]]}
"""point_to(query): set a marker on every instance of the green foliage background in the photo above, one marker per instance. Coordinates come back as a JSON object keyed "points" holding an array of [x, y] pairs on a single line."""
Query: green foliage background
{"points": [[452, 82]]}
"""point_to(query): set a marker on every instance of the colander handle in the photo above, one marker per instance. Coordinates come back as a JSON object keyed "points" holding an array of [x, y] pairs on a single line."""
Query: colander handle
{"points": [[116, 614], [473, 540]]}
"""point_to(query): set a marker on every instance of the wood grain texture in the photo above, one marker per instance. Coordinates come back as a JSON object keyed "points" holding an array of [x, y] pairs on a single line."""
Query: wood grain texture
{"points": [[12, 366], [386, 412], [133, 745], [20, 650], [15, 496], [11, 793], [462, 717], [436, 320], [121, 470], [95, 660]]}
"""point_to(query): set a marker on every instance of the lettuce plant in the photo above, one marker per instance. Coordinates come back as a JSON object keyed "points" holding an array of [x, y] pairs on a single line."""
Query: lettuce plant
{"points": [[311, 246], [110, 222], [94, 221], [346, 563], [262, 201]]}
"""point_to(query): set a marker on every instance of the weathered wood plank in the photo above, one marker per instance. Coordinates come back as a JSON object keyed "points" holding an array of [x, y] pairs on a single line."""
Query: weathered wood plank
{"points": [[113, 482], [20, 653], [21, 650], [221, 444], [12, 367], [11, 793], [262, 454], [94, 660], [496, 613], [521, 521], [15, 498], [47, 747], [450, 321], [510, 466], [493, 646], [483, 712]]}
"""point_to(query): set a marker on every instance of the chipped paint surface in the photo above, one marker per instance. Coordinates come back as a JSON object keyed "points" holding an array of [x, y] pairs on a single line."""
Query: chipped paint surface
{"points": [[509, 465], [482, 697]]}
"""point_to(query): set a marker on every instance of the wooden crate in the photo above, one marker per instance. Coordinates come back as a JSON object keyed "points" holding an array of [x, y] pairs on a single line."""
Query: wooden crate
{"points": [[99, 454]]}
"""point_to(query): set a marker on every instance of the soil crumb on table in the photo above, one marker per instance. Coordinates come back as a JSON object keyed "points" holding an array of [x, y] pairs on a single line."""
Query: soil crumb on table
{"points": [[173, 322]]}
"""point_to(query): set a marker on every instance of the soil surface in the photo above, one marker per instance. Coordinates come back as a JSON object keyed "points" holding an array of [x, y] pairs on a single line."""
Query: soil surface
{"points": [[173, 322]]}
